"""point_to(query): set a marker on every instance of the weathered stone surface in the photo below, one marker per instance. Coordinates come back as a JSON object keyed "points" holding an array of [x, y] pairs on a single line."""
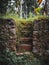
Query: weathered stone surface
{"points": [[7, 34], [41, 36]]}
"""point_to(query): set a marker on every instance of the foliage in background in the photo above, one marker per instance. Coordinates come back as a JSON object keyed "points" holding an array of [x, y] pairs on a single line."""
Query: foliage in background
{"points": [[20, 7], [3, 6]]}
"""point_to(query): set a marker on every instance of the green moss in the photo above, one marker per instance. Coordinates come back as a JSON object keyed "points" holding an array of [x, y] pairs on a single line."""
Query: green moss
{"points": [[19, 20]]}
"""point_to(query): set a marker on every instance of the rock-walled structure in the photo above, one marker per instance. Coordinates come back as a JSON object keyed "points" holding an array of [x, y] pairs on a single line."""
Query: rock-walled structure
{"points": [[7, 34], [41, 36], [32, 36]]}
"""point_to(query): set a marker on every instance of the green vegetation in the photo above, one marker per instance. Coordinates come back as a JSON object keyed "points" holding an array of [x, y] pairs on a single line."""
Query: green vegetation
{"points": [[17, 19], [10, 58]]}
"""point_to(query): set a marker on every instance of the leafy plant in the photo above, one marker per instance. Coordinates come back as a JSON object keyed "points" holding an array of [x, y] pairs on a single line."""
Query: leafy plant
{"points": [[10, 58]]}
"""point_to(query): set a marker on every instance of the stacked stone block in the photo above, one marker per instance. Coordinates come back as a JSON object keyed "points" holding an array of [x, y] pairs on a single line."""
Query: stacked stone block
{"points": [[41, 36], [7, 34]]}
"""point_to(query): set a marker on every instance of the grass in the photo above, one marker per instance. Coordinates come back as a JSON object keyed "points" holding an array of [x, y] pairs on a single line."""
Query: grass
{"points": [[19, 20]]}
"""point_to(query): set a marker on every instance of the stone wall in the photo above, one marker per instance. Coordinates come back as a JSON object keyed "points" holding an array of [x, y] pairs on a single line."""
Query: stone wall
{"points": [[33, 34], [41, 36], [7, 34]]}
